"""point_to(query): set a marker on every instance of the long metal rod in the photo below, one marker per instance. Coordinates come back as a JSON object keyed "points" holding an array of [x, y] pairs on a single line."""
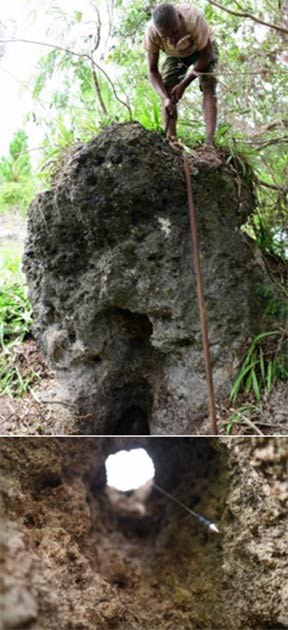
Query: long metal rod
{"points": [[170, 496], [201, 301], [206, 522]]}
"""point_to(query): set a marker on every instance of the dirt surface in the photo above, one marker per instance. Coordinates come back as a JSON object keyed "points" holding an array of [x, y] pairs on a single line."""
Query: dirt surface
{"points": [[75, 559], [25, 414]]}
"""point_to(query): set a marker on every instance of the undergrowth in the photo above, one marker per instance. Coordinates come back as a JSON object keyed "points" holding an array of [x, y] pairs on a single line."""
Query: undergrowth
{"points": [[264, 364], [15, 325]]}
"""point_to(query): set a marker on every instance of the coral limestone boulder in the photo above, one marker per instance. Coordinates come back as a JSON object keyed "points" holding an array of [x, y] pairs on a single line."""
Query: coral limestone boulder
{"points": [[112, 284]]}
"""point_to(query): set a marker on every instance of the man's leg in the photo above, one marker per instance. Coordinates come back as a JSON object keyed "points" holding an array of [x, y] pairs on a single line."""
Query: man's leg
{"points": [[209, 105]]}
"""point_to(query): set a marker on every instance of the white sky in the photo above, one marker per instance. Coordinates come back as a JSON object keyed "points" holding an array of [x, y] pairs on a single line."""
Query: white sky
{"points": [[15, 68], [19, 63], [128, 470]]}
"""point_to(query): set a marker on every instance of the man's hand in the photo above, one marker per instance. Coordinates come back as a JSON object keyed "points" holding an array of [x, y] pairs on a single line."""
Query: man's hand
{"points": [[170, 105], [178, 90]]}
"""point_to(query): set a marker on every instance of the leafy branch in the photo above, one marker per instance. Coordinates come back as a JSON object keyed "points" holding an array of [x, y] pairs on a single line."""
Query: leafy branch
{"points": [[94, 73], [277, 187], [80, 56], [262, 144], [245, 14]]}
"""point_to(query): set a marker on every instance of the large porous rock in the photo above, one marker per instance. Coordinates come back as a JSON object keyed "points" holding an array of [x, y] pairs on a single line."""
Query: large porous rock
{"points": [[108, 261], [75, 556]]}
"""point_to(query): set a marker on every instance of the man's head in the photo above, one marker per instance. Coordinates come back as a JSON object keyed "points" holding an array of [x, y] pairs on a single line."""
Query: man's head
{"points": [[168, 22]]}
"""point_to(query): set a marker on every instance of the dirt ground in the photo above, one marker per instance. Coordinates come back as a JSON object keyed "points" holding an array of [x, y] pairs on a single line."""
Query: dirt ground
{"points": [[37, 412]]}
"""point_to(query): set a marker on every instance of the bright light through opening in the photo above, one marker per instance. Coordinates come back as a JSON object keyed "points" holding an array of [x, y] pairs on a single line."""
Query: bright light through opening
{"points": [[128, 470]]}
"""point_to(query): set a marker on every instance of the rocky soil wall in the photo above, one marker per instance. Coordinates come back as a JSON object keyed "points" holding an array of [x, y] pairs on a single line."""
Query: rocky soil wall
{"points": [[74, 559]]}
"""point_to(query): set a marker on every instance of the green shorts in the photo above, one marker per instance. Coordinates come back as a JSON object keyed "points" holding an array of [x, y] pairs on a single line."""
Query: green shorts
{"points": [[174, 69]]}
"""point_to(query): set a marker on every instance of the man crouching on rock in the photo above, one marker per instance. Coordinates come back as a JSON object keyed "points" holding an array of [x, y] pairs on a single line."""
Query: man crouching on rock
{"points": [[183, 34]]}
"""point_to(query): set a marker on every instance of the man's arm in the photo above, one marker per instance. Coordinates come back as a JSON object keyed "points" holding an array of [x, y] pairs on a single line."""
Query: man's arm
{"points": [[157, 81], [200, 65]]}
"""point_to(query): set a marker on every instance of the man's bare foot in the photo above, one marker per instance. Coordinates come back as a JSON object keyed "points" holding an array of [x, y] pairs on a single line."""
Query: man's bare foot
{"points": [[176, 145], [174, 142], [209, 145]]}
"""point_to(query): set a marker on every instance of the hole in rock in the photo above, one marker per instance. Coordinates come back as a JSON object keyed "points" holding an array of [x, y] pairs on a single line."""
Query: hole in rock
{"points": [[130, 410], [129, 475], [141, 535], [111, 566], [133, 421], [46, 483], [129, 470]]}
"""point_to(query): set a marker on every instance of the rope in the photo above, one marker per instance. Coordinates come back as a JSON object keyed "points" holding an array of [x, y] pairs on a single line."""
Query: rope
{"points": [[201, 301]]}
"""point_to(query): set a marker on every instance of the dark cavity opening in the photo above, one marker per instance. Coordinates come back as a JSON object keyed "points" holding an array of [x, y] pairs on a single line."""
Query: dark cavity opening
{"points": [[131, 410], [133, 421], [135, 325], [123, 405]]}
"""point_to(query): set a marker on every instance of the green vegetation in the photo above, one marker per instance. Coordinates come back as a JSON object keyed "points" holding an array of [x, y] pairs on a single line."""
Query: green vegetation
{"points": [[15, 314], [12, 382], [17, 185], [15, 310], [242, 415], [15, 324], [264, 364]]}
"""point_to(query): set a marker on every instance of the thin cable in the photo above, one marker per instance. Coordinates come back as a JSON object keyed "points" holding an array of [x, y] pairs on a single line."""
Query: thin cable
{"points": [[200, 517], [170, 496]]}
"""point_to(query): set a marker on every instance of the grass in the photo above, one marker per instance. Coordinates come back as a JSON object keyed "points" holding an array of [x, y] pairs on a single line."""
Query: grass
{"points": [[15, 318], [15, 323], [264, 364], [15, 309], [12, 382], [259, 371], [17, 194], [242, 415]]}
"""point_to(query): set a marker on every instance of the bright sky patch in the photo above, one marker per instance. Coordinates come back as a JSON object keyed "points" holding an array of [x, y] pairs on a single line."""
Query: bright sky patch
{"points": [[128, 470]]}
